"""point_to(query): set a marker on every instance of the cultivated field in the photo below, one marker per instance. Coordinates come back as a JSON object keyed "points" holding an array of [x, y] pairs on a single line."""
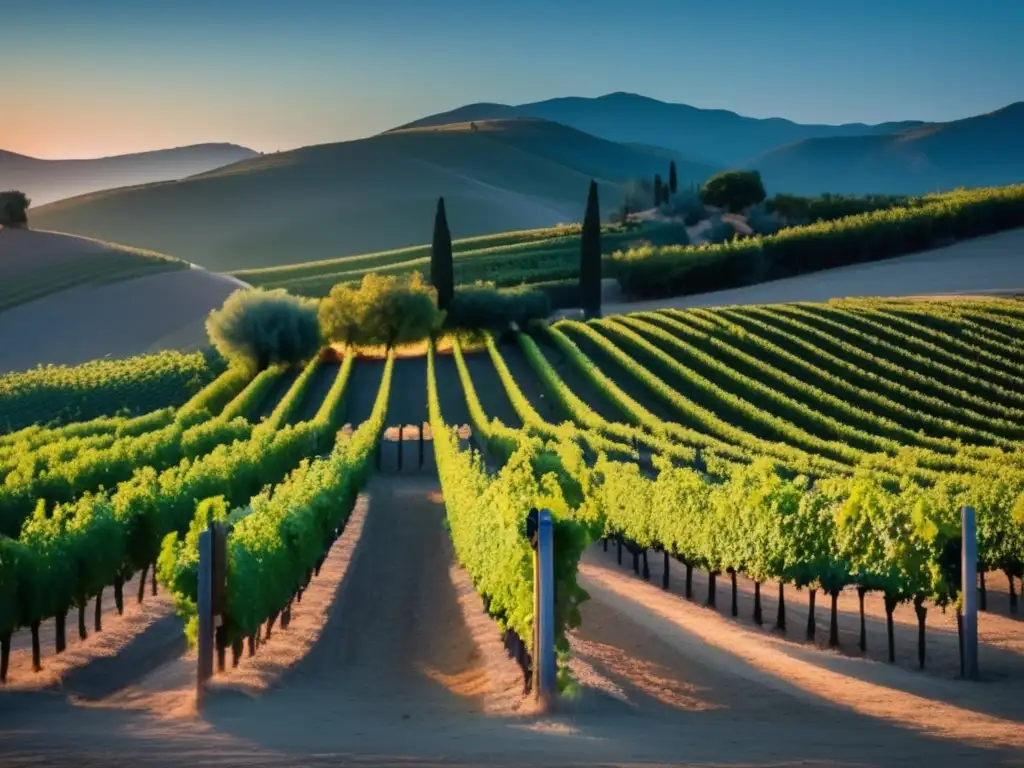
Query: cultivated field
{"points": [[506, 259], [654, 431]]}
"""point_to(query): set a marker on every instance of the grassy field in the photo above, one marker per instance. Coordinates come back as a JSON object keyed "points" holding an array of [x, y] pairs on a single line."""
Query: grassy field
{"points": [[335, 200], [35, 264], [506, 259]]}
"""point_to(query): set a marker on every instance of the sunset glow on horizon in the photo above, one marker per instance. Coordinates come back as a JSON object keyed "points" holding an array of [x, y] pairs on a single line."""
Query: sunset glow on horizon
{"points": [[118, 77]]}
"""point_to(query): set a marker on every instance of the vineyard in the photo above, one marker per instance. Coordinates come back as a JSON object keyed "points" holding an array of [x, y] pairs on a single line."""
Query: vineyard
{"points": [[818, 447], [506, 259]]}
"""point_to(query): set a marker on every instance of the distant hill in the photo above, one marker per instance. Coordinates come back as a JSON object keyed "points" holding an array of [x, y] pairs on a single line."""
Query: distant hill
{"points": [[47, 180], [714, 136], [67, 299], [368, 195], [986, 150]]}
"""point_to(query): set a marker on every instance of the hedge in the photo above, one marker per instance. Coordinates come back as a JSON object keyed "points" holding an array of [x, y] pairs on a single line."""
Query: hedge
{"points": [[653, 272]]}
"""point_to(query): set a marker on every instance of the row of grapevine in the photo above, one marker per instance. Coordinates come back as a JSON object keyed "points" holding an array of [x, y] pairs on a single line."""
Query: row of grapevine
{"points": [[51, 566], [999, 367], [953, 323], [722, 404], [951, 458], [636, 413], [499, 441], [792, 457], [487, 521], [987, 411], [281, 534], [46, 447], [35, 477], [813, 386], [934, 415], [534, 422], [588, 419], [845, 531], [62, 394], [956, 374]]}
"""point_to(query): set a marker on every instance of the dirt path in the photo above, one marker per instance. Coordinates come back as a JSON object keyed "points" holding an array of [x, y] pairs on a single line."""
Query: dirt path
{"points": [[400, 669], [361, 390], [982, 265], [323, 380], [490, 390]]}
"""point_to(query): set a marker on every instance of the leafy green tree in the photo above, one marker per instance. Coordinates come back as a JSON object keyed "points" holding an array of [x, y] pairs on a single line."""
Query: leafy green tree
{"points": [[733, 190], [673, 181], [659, 191], [383, 309], [261, 328], [14, 208], [590, 256], [442, 269]]}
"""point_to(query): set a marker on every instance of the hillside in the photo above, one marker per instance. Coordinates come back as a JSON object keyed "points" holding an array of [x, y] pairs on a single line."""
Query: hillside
{"points": [[47, 180], [66, 300], [977, 151], [713, 136], [354, 197]]}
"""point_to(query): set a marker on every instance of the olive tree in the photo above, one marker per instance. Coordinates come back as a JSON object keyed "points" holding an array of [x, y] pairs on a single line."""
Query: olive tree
{"points": [[261, 328]]}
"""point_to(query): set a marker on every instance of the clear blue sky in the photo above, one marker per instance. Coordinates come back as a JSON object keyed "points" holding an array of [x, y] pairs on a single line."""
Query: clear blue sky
{"points": [[93, 77]]}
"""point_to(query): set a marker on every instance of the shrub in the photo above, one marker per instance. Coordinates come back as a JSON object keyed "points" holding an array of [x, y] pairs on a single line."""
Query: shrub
{"points": [[14, 208], [262, 328], [795, 209], [383, 309], [720, 231], [686, 203], [733, 190], [484, 307], [667, 233], [761, 221]]}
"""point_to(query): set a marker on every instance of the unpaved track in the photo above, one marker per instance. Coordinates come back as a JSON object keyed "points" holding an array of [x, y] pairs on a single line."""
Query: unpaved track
{"points": [[395, 678], [993, 264]]}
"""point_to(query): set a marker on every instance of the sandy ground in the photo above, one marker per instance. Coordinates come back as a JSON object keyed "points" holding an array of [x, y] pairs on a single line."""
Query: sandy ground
{"points": [[389, 660], [992, 264]]}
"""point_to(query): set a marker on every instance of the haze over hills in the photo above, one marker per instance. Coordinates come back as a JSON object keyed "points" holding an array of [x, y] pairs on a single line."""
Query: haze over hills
{"points": [[67, 299], [371, 194], [985, 150], [47, 180], [713, 136], [517, 171]]}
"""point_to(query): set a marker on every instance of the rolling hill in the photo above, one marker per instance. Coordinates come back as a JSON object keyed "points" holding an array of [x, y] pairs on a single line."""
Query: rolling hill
{"points": [[354, 197], [713, 136], [47, 180], [985, 150], [67, 299]]}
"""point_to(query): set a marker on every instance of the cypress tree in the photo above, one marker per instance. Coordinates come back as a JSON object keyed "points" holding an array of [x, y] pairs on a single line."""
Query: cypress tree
{"points": [[590, 256], [442, 271], [657, 190], [672, 180]]}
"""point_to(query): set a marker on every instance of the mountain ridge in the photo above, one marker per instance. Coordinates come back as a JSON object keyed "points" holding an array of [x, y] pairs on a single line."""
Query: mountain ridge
{"points": [[48, 180], [705, 135]]}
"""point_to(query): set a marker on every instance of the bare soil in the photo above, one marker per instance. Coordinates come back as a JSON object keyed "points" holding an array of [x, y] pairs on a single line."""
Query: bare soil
{"points": [[389, 660]]}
